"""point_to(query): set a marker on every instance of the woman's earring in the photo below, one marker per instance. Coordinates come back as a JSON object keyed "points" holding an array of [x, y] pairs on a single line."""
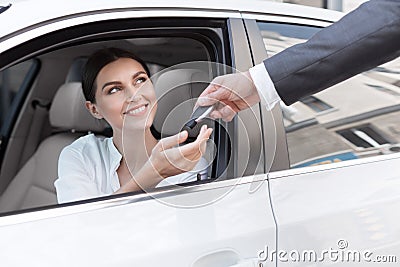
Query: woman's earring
{"points": [[97, 115]]}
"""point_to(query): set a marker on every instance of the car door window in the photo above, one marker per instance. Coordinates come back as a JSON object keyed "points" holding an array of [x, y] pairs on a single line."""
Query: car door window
{"points": [[357, 118], [199, 45]]}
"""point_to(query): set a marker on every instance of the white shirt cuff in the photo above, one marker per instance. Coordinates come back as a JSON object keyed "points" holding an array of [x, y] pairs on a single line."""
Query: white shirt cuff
{"points": [[265, 87]]}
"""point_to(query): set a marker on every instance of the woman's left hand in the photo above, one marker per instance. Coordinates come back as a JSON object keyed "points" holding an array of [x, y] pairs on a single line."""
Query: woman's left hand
{"points": [[169, 160]]}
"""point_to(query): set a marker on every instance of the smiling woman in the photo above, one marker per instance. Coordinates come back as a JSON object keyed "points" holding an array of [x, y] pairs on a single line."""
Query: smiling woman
{"points": [[117, 89]]}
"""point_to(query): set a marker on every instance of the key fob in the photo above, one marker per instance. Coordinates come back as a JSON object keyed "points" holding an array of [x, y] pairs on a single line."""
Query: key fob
{"points": [[197, 116]]}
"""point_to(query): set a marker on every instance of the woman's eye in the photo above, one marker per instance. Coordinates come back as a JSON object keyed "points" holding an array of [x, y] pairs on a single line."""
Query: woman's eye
{"points": [[140, 80], [114, 90]]}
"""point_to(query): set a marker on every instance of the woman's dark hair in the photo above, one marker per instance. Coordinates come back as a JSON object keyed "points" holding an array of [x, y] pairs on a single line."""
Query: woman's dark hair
{"points": [[97, 61]]}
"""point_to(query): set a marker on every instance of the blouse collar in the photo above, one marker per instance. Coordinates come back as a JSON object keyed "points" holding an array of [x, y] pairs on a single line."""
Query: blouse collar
{"points": [[115, 162], [115, 156]]}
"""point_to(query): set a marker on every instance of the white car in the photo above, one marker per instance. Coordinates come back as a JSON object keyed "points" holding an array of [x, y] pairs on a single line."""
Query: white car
{"points": [[271, 198]]}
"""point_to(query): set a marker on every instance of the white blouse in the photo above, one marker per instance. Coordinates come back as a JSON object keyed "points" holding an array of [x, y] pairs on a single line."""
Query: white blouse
{"points": [[88, 168]]}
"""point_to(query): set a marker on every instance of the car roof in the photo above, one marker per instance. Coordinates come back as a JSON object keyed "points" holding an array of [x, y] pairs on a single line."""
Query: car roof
{"points": [[25, 13]]}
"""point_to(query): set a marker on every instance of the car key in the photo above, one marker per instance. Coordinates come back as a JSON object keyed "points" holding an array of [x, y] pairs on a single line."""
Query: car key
{"points": [[198, 115]]}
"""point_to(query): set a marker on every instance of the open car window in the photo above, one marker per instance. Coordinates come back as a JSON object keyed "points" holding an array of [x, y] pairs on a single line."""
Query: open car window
{"points": [[40, 131]]}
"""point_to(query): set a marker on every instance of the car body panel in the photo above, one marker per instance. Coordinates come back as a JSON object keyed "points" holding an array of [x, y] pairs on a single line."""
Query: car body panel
{"points": [[50, 10], [274, 136], [55, 16], [356, 201], [147, 232]]}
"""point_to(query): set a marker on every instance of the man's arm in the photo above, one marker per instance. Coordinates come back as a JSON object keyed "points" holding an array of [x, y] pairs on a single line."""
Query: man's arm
{"points": [[361, 40]]}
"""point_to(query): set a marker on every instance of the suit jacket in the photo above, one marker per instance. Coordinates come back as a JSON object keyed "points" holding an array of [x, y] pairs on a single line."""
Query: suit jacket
{"points": [[361, 40]]}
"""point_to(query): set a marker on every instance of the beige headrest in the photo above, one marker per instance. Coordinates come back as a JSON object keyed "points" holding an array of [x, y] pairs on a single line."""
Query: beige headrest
{"points": [[68, 110], [177, 92]]}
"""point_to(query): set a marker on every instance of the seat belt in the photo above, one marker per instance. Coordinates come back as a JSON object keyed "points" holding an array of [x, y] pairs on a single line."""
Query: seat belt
{"points": [[32, 142]]}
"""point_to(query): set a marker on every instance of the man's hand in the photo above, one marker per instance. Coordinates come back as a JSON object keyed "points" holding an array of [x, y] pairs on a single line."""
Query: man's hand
{"points": [[233, 92]]}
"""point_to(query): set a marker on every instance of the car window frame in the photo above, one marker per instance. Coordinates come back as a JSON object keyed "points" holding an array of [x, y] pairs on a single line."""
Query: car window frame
{"points": [[277, 153], [231, 23]]}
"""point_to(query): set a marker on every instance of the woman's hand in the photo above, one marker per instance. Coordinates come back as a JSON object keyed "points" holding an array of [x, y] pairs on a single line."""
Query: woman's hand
{"points": [[168, 160]]}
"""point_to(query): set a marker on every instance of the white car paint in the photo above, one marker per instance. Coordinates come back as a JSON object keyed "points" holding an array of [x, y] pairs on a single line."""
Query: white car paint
{"points": [[149, 232], [57, 15], [313, 207], [356, 201]]}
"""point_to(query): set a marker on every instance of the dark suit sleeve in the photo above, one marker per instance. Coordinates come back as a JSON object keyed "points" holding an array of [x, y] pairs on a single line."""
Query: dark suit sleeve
{"points": [[361, 40]]}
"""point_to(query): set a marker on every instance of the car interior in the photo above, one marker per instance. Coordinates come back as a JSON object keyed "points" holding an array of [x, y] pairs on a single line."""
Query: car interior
{"points": [[53, 114]]}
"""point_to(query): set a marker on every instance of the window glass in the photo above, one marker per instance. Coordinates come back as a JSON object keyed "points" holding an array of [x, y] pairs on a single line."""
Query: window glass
{"points": [[315, 104], [11, 80], [337, 124]]}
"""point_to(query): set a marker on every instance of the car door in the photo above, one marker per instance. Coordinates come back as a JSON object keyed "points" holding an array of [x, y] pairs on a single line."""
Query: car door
{"points": [[338, 201], [223, 222]]}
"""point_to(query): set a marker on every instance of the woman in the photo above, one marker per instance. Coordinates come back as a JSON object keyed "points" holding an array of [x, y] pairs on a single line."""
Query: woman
{"points": [[117, 89]]}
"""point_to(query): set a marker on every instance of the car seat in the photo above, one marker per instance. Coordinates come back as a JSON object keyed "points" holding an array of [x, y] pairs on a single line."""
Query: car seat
{"points": [[177, 91], [33, 186]]}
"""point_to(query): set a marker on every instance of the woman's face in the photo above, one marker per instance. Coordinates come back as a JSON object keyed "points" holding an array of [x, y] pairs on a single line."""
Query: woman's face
{"points": [[125, 96]]}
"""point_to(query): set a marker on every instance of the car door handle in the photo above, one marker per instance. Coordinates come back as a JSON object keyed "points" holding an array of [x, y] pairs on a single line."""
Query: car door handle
{"points": [[253, 262]]}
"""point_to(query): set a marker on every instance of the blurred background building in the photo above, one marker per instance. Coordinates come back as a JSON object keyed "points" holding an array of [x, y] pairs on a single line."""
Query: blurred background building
{"points": [[340, 5]]}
